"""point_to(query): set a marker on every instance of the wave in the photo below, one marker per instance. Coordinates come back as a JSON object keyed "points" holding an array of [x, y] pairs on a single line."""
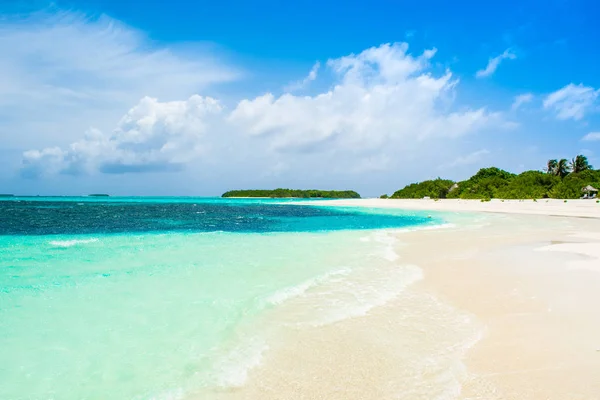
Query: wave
{"points": [[351, 292], [232, 370], [70, 243], [361, 293], [298, 290]]}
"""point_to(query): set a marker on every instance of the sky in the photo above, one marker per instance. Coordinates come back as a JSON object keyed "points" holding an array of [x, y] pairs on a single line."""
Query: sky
{"points": [[196, 98]]}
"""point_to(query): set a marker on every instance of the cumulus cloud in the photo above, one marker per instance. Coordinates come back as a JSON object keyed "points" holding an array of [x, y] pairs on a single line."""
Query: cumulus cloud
{"points": [[520, 100], [382, 96], [591, 137], [152, 136], [312, 75], [468, 159], [572, 101], [494, 63], [382, 105]]}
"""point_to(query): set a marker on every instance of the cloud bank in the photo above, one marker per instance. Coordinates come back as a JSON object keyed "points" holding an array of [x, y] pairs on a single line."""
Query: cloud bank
{"points": [[383, 103], [151, 137]]}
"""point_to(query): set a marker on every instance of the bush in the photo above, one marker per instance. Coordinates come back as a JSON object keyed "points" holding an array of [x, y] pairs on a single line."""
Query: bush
{"points": [[436, 189]]}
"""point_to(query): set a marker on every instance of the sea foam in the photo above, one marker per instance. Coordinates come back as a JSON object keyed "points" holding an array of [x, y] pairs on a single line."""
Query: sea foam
{"points": [[70, 243], [298, 290], [232, 369]]}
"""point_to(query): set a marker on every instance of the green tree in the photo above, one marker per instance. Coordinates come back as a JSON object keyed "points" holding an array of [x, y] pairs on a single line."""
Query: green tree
{"points": [[551, 167], [562, 168], [580, 164]]}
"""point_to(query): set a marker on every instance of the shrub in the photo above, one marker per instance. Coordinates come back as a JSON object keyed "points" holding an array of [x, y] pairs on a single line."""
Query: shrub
{"points": [[435, 189]]}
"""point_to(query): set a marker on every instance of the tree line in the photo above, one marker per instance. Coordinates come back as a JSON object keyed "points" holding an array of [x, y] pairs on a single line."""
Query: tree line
{"points": [[560, 179], [294, 193]]}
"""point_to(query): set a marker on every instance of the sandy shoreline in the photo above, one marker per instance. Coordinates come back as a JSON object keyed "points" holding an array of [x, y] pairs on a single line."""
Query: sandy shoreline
{"points": [[548, 207], [508, 309]]}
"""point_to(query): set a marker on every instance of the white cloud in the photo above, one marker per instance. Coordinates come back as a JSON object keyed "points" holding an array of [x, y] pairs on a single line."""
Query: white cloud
{"points": [[312, 75], [521, 99], [494, 62], [469, 159], [572, 101], [152, 136], [62, 72], [382, 97], [383, 108], [592, 137]]}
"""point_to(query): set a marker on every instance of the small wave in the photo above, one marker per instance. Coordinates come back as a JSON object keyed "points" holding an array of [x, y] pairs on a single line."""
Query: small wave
{"points": [[363, 293], [298, 290], [70, 243], [423, 228], [234, 367]]}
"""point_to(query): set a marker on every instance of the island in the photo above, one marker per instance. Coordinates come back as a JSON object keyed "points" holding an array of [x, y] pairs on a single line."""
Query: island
{"points": [[560, 179], [98, 195], [294, 193]]}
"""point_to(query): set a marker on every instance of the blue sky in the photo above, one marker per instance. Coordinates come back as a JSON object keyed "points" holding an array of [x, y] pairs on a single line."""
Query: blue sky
{"points": [[194, 98]]}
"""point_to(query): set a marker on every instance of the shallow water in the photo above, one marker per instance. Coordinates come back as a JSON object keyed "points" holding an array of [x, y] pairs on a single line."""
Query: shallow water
{"points": [[127, 298]]}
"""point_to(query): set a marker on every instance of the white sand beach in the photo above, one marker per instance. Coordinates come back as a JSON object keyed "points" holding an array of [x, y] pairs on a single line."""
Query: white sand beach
{"points": [[548, 207], [509, 308]]}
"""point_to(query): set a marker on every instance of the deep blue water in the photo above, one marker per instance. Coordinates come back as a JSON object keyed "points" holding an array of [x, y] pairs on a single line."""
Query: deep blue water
{"points": [[85, 215]]}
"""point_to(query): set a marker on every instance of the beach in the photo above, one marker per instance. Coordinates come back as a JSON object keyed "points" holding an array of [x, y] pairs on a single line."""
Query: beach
{"points": [[200, 298], [585, 208], [507, 309]]}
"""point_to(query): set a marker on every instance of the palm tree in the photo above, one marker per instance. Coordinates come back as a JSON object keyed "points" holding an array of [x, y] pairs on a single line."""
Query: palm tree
{"points": [[562, 168], [580, 164], [551, 167]]}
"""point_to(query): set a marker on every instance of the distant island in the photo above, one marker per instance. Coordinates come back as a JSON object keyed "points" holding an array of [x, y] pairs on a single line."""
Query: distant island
{"points": [[560, 179], [294, 193], [98, 195], [6, 195]]}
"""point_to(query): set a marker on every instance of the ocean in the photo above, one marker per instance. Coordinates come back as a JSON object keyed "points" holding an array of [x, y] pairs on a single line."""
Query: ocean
{"points": [[160, 298]]}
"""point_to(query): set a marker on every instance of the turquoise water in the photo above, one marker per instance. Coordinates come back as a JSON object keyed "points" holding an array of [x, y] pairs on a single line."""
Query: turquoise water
{"points": [[142, 298]]}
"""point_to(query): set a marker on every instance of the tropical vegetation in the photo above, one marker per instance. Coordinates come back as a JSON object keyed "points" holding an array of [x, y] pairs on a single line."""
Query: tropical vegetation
{"points": [[560, 179], [294, 193]]}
